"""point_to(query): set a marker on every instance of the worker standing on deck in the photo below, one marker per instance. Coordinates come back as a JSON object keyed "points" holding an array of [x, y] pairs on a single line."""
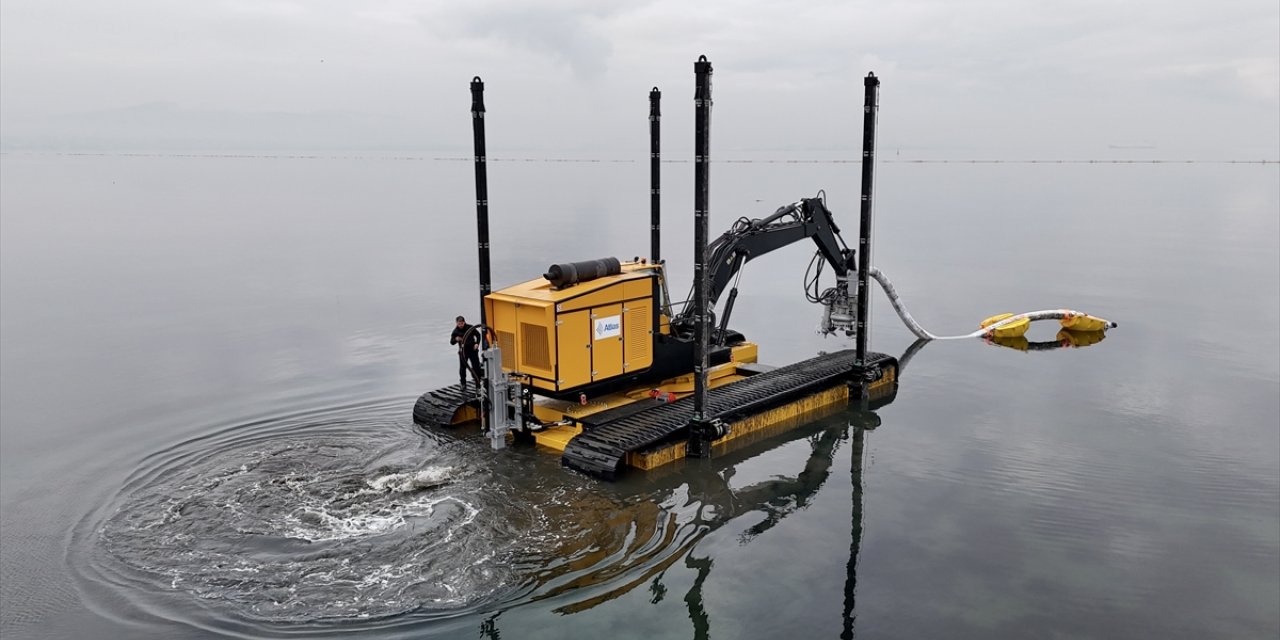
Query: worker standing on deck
{"points": [[468, 342]]}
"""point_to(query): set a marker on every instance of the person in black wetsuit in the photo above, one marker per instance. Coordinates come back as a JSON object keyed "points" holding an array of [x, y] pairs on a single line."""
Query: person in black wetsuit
{"points": [[468, 350]]}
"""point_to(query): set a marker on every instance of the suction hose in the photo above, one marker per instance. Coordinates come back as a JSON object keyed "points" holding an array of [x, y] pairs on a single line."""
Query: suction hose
{"points": [[1070, 319]]}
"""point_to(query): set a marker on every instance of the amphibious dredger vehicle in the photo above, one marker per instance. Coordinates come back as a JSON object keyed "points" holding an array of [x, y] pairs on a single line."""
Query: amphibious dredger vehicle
{"points": [[594, 360]]}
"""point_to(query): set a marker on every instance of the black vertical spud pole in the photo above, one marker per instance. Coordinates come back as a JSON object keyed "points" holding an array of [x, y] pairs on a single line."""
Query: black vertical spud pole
{"points": [[482, 190], [699, 446], [858, 440], [655, 175], [870, 106]]}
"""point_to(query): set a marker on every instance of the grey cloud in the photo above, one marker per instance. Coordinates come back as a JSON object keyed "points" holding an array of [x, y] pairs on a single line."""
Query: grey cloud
{"points": [[988, 75], [572, 36]]}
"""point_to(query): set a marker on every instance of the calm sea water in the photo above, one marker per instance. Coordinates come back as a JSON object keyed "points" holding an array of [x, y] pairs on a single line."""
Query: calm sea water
{"points": [[207, 366]]}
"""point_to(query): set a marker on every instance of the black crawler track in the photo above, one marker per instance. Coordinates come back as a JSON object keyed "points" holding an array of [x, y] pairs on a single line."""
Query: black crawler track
{"points": [[607, 437], [600, 449], [436, 408]]}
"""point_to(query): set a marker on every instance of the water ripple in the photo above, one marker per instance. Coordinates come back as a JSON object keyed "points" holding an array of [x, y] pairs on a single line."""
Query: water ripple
{"points": [[351, 516]]}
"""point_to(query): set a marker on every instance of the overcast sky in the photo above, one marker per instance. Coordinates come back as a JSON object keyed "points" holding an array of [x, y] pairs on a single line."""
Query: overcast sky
{"points": [[972, 78]]}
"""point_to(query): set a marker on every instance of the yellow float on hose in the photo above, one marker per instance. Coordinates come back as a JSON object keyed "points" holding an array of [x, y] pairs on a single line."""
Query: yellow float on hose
{"points": [[1077, 339], [1083, 322], [1015, 329], [1066, 338]]}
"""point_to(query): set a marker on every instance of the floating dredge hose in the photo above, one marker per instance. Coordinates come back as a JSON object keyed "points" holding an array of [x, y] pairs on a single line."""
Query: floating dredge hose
{"points": [[1003, 325]]}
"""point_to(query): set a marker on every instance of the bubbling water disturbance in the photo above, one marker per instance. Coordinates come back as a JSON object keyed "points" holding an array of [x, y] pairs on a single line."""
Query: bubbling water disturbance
{"points": [[350, 514], [288, 530]]}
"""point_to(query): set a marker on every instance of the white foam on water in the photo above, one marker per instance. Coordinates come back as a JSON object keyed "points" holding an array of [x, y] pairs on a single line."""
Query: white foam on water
{"points": [[315, 523], [304, 529], [408, 482]]}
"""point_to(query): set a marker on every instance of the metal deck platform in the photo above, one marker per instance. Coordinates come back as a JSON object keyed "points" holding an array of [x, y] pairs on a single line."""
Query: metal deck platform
{"points": [[601, 448]]}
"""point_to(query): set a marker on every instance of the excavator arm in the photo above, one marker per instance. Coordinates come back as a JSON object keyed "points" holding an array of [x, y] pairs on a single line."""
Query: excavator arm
{"points": [[749, 239]]}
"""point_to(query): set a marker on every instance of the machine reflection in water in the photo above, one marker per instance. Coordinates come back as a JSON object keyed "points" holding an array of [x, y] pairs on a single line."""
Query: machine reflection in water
{"points": [[709, 500], [704, 499]]}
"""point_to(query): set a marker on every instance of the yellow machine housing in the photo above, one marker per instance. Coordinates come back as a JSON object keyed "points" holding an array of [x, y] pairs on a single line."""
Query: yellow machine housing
{"points": [[562, 339]]}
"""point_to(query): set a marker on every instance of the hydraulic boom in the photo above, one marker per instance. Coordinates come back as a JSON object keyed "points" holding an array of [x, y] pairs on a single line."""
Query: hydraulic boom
{"points": [[748, 239]]}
